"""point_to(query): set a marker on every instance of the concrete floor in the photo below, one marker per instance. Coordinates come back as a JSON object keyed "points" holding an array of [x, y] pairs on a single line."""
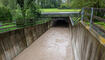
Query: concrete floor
{"points": [[53, 45]]}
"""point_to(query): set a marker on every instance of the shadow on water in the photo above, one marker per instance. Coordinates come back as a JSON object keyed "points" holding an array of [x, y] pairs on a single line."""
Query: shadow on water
{"points": [[60, 23]]}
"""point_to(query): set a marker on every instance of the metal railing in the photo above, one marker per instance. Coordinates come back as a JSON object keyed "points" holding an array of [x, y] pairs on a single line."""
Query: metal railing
{"points": [[95, 18], [10, 26], [75, 18]]}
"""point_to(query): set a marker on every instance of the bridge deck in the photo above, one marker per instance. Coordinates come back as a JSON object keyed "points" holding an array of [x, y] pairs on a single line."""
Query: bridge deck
{"points": [[58, 14], [53, 45]]}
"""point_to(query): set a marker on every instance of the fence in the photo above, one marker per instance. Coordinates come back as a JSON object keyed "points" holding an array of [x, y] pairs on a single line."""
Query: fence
{"points": [[10, 26], [14, 42], [87, 46], [95, 18], [75, 18]]}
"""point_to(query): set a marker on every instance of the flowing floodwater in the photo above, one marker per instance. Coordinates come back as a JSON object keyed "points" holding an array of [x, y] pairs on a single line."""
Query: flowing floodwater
{"points": [[65, 43], [53, 45]]}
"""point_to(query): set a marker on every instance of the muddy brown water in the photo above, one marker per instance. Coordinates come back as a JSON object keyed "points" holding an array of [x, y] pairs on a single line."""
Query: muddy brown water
{"points": [[59, 43], [55, 44]]}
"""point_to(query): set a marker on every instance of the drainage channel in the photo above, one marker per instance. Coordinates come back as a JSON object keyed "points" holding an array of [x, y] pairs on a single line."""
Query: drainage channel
{"points": [[55, 44]]}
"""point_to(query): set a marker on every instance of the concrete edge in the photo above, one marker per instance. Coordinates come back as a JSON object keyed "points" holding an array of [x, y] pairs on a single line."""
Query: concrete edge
{"points": [[94, 33]]}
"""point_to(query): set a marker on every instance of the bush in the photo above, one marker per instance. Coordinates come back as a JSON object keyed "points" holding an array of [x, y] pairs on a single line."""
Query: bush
{"points": [[5, 14], [26, 16], [20, 22], [31, 14], [64, 6]]}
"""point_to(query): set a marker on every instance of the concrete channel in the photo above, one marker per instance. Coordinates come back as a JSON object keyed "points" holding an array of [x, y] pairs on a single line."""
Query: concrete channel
{"points": [[55, 44], [65, 42], [60, 42]]}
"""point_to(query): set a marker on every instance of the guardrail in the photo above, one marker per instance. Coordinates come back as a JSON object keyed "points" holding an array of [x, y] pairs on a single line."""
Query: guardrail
{"points": [[94, 17], [7, 27], [10, 26], [75, 18]]}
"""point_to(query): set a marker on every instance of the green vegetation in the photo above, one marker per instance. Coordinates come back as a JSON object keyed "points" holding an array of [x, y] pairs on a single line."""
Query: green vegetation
{"points": [[64, 6], [7, 26], [49, 3], [5, 14], [18, 11], [8, 29], [60, 10], [54, 3], [12, 26], [26, 12], [41, 21], [29, 11], [101, 24], [89, 3]]}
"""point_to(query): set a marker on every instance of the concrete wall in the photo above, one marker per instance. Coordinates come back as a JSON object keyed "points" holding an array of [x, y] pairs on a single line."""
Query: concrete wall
{"points": [[14, 42], [85, 45]]}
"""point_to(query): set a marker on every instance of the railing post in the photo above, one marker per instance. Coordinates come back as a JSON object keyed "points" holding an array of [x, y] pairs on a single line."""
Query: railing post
{"points": [[71, 21], [1, 26], [91, 18], [82, 15]]}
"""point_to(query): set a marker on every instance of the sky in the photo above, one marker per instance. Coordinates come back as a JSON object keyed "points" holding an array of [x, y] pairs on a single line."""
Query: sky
{"points": [[63, 0]]}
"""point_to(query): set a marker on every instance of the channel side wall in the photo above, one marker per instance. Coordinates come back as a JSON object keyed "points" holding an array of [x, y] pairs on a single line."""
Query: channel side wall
{"points": [[14, 42], [85, 45]]}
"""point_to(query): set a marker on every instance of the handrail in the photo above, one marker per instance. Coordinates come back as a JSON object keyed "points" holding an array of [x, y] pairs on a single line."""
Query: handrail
{"points": [[88, 16], [97, 9], [96, 17]]}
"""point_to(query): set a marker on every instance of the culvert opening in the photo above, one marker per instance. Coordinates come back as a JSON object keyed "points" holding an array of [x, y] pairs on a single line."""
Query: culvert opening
{"points": [[60, 23]]}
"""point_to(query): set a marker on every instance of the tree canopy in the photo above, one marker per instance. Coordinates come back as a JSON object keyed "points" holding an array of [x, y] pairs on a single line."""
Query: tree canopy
{"points": [[87, 3], [49, 3]]}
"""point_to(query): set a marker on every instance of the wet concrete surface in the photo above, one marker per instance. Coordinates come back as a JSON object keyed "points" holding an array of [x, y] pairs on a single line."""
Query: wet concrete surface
{"points": [[55, 44]]}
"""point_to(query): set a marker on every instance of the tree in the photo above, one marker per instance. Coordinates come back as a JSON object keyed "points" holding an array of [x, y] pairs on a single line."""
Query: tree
{"points": [[29, 11], [87, 3], [27, 4], [49, 3]]}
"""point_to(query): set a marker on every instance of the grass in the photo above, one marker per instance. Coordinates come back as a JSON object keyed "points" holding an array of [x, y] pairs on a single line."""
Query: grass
{"points": [[42, 21], [12, 26], [60, 10], [9, 29], [101, 24], [76, 19], [6, 26]]}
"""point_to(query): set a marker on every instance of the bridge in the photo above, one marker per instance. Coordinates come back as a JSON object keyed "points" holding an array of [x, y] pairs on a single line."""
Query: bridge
{"points": [[67, 36]]}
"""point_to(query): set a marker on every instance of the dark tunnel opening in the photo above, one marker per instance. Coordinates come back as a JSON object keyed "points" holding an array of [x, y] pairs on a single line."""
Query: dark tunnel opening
{"points": [[60, 23]]}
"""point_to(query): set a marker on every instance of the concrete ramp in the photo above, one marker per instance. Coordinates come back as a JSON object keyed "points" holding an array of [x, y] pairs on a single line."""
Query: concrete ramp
{"points": [[55, 44]]}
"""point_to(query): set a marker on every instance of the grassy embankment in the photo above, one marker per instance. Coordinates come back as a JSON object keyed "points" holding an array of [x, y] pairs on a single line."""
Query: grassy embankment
{"points": [[43, 21], [10, 26], [101, 24]]}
